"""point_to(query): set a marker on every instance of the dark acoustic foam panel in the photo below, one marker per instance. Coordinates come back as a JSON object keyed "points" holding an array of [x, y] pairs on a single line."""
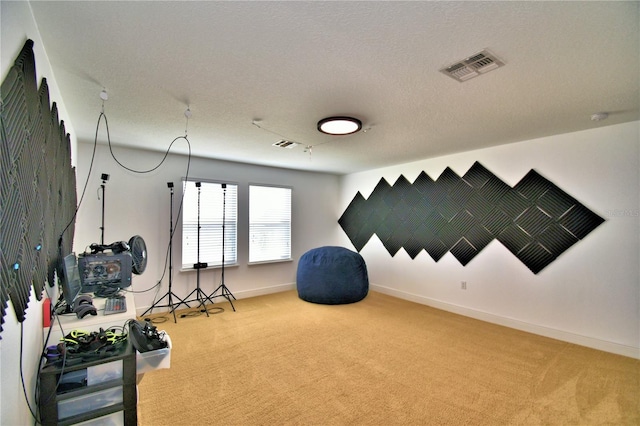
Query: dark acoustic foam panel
{"points": [[535, 220], [37, 187]]}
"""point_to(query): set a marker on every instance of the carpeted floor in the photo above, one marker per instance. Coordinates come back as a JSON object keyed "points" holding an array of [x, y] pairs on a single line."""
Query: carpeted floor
{"points": [[281, 361]]}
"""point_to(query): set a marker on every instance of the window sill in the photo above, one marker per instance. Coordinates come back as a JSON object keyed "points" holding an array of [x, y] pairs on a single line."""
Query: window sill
{"points": [[270, 261], [234, 265]]}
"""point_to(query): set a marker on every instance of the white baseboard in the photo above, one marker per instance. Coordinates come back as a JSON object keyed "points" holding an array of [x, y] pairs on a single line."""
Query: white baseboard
{"points": [[237, 294], [264, 290], [564, 336]]}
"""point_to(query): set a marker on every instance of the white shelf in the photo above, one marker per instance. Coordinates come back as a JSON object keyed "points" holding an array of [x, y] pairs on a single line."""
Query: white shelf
{"points": [[90, 323]]}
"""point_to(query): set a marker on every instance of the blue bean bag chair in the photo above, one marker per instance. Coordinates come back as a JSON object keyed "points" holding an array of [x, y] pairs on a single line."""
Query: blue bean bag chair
{"points": [[332, 276]]}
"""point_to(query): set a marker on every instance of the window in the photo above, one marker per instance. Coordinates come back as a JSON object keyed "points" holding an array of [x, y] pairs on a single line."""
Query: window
{"points": [[211, 197], [269, 223]]}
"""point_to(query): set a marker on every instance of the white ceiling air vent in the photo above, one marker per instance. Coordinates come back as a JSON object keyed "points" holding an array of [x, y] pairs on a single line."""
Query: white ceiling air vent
{"points": [[286, 144], [480, 63]]}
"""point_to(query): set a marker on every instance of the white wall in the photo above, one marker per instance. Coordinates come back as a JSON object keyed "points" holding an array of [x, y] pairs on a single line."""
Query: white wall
{"points": [[17, 25], [139, 204], [590, 295]]}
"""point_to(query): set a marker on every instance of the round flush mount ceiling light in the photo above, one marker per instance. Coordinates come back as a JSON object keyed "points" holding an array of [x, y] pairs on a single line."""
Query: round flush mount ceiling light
{"points": [[339, 125]]}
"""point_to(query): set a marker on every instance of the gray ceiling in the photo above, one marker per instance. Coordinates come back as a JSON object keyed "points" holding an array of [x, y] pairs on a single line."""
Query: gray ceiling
{"points": [[289, 64]]}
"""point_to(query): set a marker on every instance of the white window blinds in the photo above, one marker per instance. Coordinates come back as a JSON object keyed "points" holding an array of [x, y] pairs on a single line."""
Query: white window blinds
{"points": [[211, 197], [269, 223]]}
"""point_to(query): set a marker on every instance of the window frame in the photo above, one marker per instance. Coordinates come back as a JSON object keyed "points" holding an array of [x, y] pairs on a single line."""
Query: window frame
{"points": [[230, 225], [250, 245]]}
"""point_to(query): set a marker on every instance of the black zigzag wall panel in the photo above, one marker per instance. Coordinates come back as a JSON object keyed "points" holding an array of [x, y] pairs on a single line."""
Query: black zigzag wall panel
{"points": [[37, 187], [535, 220]]}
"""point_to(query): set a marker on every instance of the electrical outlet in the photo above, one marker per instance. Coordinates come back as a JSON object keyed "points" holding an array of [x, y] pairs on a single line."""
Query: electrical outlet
{"points": [[463, 285]]}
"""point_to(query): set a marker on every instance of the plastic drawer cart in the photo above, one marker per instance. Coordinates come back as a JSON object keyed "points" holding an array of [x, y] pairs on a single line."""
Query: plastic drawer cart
{"points": [[104, 391]]}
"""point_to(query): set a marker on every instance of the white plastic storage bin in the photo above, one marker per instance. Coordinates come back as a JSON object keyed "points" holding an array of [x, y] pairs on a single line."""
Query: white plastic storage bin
{"points": [[104, 372], [89, 402], [154, 360], [113, 419]]}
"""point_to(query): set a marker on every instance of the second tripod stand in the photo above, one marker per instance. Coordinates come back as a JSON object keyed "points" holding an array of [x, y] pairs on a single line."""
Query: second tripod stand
{"points": [[170, 295], [222, 288]]}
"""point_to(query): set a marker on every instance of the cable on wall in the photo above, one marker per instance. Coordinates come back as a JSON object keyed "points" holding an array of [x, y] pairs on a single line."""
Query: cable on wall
{"points": [[86, 182], [188, 114]]}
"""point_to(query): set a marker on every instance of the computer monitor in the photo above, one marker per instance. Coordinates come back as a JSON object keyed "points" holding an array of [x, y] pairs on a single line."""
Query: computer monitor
{"points": [[101, 270], [70, 279]]}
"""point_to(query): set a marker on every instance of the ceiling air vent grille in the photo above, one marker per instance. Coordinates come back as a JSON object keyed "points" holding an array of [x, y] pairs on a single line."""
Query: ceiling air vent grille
{"points": [[286, 144], [480, 63]]}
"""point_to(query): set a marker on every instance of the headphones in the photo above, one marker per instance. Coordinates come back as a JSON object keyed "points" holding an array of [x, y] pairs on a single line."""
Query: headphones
{"points": [[83, 306], [117, 247]]}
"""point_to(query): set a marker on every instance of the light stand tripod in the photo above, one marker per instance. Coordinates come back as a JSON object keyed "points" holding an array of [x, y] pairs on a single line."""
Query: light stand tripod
{"points": [[105, 178], [199, 265], [170, 294], [224, 291]]}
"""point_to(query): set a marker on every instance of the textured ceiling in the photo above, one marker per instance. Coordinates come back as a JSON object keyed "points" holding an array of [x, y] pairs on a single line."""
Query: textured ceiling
{"points": [[290, 64]]}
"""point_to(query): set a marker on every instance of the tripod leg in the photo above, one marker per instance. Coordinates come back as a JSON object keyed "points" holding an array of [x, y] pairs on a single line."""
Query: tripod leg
{"points": [[170, 295], [199, 293], [231, 303], [224, 292], [175, 306], [173, 310], [155, 305], [202, 304]]}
